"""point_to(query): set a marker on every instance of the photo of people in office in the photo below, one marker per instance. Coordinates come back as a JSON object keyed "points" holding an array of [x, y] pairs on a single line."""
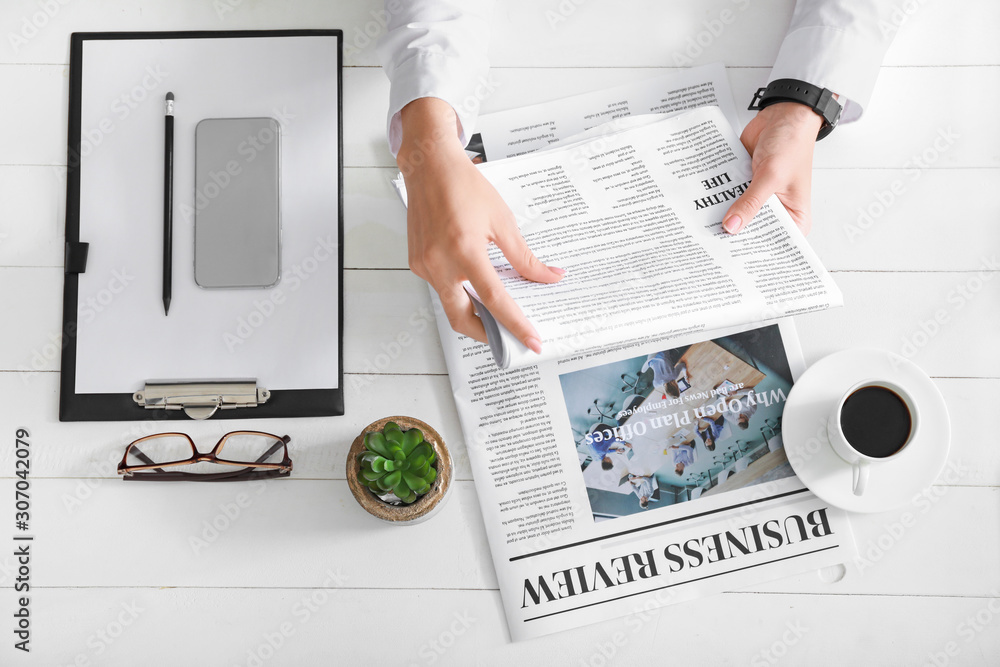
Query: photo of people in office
{"points": [[677, 425]]}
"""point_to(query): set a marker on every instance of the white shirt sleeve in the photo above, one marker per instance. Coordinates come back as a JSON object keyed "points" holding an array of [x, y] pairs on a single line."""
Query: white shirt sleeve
{"points": [[436, 48], [839, 45]]}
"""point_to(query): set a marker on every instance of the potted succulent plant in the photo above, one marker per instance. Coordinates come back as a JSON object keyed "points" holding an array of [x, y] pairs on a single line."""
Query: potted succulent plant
{"points": [[399, 470]]}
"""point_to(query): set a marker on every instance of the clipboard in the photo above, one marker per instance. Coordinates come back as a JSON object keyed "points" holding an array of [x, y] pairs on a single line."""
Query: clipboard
{"points": [[224, 354]]}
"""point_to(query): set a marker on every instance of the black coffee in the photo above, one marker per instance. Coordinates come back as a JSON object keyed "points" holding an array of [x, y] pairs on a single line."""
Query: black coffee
{"points": [[876, 421]]}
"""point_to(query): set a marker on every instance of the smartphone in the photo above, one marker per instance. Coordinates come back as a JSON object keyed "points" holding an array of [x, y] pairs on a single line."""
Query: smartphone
{"points": [[237, 207]]}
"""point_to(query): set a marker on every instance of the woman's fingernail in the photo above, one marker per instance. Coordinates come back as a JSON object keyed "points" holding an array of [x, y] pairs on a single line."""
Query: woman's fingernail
{"points": [[534, 345], [556, 270], [733, 224]]}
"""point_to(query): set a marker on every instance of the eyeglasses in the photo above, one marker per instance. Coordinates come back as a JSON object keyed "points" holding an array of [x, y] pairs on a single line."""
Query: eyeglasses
{"points": [[254, 455]]}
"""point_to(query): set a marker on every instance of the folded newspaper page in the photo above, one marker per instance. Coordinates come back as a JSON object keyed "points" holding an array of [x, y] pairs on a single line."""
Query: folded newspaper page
{"points": [[525, 129], [633, 212], [649, 470]]}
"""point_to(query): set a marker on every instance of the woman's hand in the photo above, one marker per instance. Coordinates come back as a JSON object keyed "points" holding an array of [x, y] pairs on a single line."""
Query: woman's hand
{"points": [[453, 213], [780, 140]]}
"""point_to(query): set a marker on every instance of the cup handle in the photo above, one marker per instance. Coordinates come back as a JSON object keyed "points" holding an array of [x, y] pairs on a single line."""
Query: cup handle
{"points": [[860, 471]]}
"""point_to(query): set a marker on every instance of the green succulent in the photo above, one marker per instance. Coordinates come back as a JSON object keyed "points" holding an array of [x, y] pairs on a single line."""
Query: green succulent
{"points": [[398, 462]]}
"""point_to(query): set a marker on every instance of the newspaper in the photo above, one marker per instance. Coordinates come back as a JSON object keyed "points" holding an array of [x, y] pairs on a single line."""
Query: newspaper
{"points": [[633, 212], [607, 488], [527, 129], [649, 469]]}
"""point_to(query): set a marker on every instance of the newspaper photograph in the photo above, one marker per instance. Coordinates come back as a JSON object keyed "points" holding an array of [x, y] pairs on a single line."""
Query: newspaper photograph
{"points": [[682, 428]]}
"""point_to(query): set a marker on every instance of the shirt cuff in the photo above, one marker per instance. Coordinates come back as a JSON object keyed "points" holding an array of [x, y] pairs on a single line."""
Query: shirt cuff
{"points": [[431, 74], [845, 63]]}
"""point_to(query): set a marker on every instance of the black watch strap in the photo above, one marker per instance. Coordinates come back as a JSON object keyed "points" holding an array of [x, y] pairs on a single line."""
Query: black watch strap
{"points": [[818, 99]]}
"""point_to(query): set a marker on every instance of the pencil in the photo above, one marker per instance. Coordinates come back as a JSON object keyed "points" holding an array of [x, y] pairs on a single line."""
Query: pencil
{"points": [[168, 200]]}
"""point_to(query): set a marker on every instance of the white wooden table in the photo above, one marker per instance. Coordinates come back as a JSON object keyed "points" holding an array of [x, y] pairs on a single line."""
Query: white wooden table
{"points": [[294, 573]]}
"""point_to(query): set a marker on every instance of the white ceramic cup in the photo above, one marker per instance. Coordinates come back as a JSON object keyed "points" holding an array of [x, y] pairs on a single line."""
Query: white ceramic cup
{"points": [[844, 449]]}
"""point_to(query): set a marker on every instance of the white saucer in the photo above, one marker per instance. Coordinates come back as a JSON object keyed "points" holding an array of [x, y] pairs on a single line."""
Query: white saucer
{"points": [[891, 483]]}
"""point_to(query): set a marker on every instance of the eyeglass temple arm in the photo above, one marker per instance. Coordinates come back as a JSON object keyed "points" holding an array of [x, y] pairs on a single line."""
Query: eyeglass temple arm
{"points": [[145, 459], [280, 443], [243, 473]]}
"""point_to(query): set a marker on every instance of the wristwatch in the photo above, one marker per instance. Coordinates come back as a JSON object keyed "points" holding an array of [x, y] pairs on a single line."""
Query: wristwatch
{"points": [[818, 99]]}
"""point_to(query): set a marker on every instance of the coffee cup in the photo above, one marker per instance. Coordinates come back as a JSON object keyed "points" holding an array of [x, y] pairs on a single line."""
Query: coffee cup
{"points": [[874, 422]]}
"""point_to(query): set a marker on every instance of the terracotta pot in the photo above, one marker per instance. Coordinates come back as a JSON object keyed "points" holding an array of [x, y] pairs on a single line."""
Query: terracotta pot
{"points": [[423, 507]]}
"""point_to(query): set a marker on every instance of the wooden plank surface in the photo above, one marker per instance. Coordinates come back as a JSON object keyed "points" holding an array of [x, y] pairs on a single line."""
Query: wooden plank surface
{"points": [[636, 33], [853, 229], [904, 216], [944, 321], [965, 140], [35, 134], [148, 535], [308, 626], [319, 446]]}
